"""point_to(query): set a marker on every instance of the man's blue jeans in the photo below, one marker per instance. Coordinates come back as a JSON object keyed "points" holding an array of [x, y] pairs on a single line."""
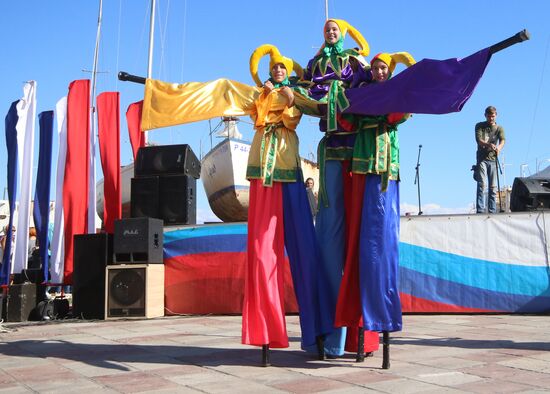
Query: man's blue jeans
{"points": [[488, 176]]}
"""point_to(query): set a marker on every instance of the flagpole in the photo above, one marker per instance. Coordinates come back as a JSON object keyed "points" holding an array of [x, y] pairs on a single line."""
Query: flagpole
{"points": [[151, 46], [151, 39], [92, 225]]}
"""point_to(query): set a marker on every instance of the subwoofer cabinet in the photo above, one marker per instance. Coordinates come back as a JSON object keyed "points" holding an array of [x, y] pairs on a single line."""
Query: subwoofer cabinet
{"points": [[134, 290]]}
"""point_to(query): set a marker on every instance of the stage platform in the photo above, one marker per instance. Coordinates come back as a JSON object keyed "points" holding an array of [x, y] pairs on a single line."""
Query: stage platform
{"points": [[448, 264]]}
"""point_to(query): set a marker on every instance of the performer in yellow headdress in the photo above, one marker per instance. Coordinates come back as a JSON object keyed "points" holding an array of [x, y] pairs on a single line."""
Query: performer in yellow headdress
{"points": [[369, 294], [331, 71], [279, 214]]}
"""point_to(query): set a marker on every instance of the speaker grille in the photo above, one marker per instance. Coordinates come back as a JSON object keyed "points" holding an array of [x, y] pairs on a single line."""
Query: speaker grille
{"points": [[127, 287], [145, 197], [178, 203]]}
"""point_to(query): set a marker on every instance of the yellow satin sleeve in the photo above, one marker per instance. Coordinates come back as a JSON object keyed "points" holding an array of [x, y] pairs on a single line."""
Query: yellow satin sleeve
{"points": [[306, 104], [169, 104], [273, 108]]}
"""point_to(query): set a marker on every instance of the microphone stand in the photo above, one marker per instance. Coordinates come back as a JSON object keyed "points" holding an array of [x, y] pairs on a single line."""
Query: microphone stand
{"points": [[417, 179], [499, 169]]}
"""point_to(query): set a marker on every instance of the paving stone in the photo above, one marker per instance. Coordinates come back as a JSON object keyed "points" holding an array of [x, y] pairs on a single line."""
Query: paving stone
{"points": [[310, 385], [493, 386], [402, 386], [134, 382]]}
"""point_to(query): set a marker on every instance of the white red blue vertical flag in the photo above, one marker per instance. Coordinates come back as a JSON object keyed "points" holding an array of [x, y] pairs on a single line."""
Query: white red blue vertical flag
{"points": [[26, 111], [57, 245], [75, 182], [41, 209], [108, 116], [11, 145], [133, 119]]}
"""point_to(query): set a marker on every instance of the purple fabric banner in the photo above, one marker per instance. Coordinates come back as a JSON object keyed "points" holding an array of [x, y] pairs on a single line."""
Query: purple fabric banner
{"points": [[11, 144], [428, 87], [41, 211]]}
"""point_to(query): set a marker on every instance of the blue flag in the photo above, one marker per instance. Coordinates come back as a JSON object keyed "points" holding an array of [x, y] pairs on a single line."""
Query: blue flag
{"points": [[11, 144], [41, 210]]}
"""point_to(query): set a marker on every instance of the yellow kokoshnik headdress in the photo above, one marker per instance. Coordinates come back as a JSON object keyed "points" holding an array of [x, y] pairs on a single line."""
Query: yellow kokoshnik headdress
{"points": [[275, 57], [391, 59], [345, 27]]}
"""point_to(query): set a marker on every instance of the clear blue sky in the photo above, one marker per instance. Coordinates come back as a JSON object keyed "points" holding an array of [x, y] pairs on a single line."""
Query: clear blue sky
{"points": [[52, 42]]}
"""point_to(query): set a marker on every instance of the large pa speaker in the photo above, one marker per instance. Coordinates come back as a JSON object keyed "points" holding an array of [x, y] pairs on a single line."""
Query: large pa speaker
{"points": [[92, 253], [134, 291], [529, 194], [145, 197], [138, 240], [167, 159], [178, 200]]}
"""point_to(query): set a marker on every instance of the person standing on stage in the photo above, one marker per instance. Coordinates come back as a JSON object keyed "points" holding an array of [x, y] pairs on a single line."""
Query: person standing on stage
{"points": [[490, 140]]}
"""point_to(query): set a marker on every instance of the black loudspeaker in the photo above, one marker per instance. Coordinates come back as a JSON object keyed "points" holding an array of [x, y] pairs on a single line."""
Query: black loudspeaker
{"points": [[529, 194], [178, 200], [21, 301], [145, 197], [135, 291], [167, 159], [92, 253], [138, 240]]}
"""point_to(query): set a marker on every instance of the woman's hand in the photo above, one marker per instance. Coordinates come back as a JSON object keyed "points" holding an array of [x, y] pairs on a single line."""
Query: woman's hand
{"points": [[289, 94], [268, 87]]}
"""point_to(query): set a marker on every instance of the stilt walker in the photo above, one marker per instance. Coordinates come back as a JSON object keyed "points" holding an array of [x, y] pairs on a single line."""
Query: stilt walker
{"points": [[278, 215]]}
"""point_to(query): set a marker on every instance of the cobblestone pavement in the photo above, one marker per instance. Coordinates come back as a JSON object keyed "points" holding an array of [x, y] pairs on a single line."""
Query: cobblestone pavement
{"points": [[435, 353]]}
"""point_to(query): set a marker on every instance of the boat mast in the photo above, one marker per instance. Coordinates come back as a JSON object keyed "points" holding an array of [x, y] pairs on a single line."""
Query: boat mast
{"points": [[326, 9], [92, 178], [151, 45]]}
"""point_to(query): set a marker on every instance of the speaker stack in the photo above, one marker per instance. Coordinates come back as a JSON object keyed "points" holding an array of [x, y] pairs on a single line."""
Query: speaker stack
{"points": [[529, 194], [134, 283], [164, 184]]}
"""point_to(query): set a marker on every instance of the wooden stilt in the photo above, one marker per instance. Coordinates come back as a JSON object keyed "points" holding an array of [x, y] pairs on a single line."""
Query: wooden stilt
{"points": [[386, 350], [265, 356], [360, 357], [320, 347]]}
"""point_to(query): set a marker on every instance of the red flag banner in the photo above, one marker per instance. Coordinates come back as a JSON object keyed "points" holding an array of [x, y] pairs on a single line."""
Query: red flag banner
{"points": [[133, 118], [75, 183], [108, 115]]}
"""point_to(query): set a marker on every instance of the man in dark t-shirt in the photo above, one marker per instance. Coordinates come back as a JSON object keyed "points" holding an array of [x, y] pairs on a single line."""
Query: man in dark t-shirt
{"points": [[490, 141]]}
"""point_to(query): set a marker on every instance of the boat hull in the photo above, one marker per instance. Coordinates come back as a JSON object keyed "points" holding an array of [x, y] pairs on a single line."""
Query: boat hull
{"points": [[223, 175]]}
